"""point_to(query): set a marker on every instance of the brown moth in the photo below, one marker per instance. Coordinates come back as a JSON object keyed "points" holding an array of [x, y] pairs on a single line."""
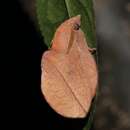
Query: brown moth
{"points": [[69, 73]]}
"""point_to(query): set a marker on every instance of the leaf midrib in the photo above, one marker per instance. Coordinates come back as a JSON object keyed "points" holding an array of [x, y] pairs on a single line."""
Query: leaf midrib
{"points": [[67, 8]]}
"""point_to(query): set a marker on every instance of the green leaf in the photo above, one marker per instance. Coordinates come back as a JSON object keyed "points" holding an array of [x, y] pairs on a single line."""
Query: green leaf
{"points": [[92, 111], [51, 13]]}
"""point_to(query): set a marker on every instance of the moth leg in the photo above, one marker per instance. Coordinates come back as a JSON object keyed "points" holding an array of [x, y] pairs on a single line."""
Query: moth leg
{"points": [[92, 50]]}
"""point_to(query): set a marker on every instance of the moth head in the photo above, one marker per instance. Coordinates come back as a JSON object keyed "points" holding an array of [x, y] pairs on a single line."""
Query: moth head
{"points": [[64, 34]]}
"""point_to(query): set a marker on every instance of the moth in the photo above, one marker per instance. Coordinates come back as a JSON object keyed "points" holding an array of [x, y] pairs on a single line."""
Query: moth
{"points": [[69, 72]]}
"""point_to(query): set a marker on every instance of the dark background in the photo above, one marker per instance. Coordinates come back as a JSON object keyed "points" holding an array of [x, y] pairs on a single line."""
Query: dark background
{"points": [[26, 106]]}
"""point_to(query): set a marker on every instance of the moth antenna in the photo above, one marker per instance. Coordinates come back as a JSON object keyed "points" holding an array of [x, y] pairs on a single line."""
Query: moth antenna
{"points": [[71, 40]]}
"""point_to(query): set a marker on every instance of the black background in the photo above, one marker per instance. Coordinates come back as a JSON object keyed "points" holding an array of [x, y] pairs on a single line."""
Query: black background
{"points": [[22, 51], [22, 47]]}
